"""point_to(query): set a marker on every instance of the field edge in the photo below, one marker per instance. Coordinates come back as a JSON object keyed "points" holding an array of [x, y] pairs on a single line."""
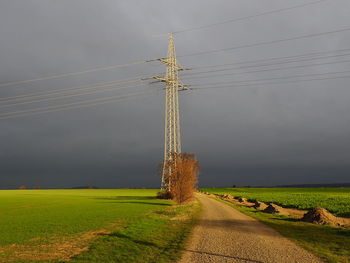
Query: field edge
{"points": [[160, 236], [328, 243]]}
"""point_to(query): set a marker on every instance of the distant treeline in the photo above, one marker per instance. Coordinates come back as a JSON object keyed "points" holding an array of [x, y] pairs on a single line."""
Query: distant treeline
{"points": [[85, 187], [291, 186], [315, 185]]}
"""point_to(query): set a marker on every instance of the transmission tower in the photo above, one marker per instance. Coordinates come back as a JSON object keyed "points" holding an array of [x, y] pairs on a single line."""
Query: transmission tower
{"points": [[172, 138]]}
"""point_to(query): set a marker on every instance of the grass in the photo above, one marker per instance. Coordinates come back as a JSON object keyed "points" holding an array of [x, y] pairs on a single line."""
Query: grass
{"points": [[336, 200], [151, 239], [116, 225]]}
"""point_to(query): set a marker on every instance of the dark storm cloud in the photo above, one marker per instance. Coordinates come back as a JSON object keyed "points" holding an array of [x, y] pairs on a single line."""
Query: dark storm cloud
{"points": [[268, 134]]}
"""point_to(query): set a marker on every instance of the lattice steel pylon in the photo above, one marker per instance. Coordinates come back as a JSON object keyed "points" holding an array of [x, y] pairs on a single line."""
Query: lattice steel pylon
{"points": [[172, 137]]}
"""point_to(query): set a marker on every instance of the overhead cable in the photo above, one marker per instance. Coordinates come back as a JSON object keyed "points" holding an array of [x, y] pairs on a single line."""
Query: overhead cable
{"points": [[74, 105], [264, 70], [71, 73], [264, 43], [272, 83], [248, 17], [276, 78], [66, 96], [288, 60], [66, 90]]}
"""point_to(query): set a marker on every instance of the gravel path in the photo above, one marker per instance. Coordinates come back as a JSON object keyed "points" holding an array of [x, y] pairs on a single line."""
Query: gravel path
{"points": [[226, 235]]}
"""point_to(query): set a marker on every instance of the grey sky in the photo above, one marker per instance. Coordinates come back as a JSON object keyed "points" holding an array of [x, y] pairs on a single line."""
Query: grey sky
{"points": [[257, 135]]}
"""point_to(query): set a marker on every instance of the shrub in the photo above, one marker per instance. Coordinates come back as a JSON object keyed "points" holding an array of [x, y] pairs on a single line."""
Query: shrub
{"points": [[164, 194], [182, 176]]}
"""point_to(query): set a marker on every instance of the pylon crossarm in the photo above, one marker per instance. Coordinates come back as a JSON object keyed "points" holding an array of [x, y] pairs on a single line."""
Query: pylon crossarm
{"points": [[183, 87], [170, 62], [171, 82], [155, 59], [148, 78], [160, 79]]}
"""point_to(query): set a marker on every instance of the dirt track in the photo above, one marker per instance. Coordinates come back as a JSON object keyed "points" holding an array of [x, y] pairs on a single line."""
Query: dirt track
{"points": [[226, 235]]}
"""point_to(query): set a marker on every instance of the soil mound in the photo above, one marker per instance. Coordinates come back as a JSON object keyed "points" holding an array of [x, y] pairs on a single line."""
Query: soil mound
{"points": [[260, 205], [228, 197], [275, 209], [321, 216], [242, 200]]}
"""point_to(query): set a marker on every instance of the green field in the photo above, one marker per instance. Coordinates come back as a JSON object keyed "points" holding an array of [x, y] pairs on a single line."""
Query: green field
{"points": [[336, 200], [94, 225]]}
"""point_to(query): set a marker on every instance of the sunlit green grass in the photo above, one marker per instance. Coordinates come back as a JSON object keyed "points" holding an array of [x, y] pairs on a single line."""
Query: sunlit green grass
{"points": [[336, 200], [26, 214], [135, 214], [157, 238]]}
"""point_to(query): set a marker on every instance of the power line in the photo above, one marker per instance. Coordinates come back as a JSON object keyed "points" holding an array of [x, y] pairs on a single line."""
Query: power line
{"points": [[277, 78], [268, 42], [66, 96], [249, 17], [72, 73], [76, 107], [307, 55], [80, 104], [274, 83], [269, 64], [66, 90], [263, 70]]}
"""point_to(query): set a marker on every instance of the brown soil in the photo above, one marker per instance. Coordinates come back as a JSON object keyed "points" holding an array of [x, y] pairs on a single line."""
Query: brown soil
{"points": [[58, 248], [235, 200], [260, 205], [321, 216], [230, 197], [276, 209], [292, 212], [242, 200], [295, 213]]}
